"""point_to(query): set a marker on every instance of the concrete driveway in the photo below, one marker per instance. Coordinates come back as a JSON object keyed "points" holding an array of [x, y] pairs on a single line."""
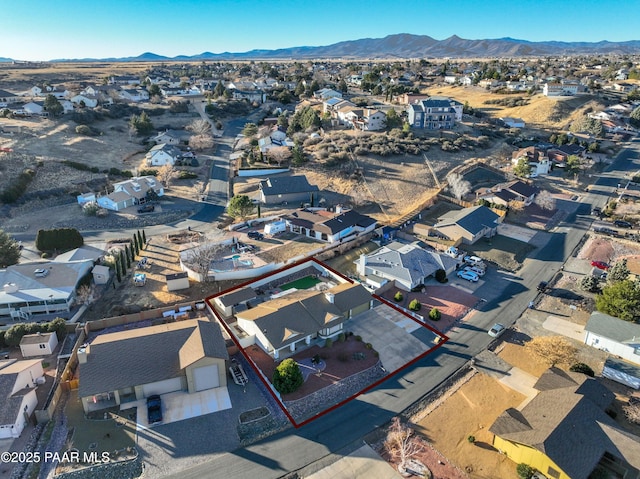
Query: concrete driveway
{"points": [[180, 405], [516, 232], [565, 328], [360, 464], [390, 333]]}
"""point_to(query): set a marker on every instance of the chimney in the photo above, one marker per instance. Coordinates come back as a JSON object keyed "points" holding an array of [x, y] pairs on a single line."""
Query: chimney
{"points": [[82, 355], [330, 297], [362, 265]]}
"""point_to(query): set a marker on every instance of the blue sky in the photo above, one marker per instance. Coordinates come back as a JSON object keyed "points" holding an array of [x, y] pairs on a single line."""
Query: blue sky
{"points": [[45, 29]]}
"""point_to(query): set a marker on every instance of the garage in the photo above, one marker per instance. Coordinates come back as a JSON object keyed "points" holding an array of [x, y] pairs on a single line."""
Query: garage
{"points": [[206, 377], [162, 387], [359, 309]]}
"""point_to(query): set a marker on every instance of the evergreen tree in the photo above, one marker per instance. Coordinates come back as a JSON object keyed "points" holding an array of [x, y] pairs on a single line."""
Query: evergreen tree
{"points": [[144, 239], [127, 255]]}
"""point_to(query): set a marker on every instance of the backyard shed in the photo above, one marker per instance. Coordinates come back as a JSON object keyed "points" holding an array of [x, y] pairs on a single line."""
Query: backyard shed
{"points": [[40, 344], [622, 372], [177, 281], [100, 274]]}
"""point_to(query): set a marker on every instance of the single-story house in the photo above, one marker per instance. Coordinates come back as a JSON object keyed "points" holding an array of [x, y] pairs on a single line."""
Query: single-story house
{"points": [[258, 96], [120, 367], [281, 189], [134, 94], [327, 226], [172, 137], [6, 97], [39, 344], [130, 192], [85, 198], [294, 319], [89, 101], [163, 154], [18, 400], [408, 265], [559, 154], [468, 224], [40, 287], [564, 431], [35, 108], [523, 191], [326, 93], [227, 303], [613, 335]]}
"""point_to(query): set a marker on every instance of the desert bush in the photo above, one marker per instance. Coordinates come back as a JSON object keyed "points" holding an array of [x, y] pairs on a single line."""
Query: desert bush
{"points": [[415, 305], [524, 471], [582, 368], [85, 130], [368, 346], [398, 296], [435, 314], [17, 188], [441, 276], [186, 175], [90, 209], [287, 377]]}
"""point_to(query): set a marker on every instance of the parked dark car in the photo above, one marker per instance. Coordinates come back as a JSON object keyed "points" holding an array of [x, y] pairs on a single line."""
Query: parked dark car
{"points": [[623, 224], [542, 286], [146, 209], [255, 235], [596, 211], [154, 409]]}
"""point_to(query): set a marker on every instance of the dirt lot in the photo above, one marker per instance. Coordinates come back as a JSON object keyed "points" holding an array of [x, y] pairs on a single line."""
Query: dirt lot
{"points": [[507, 253], [470, 411]]}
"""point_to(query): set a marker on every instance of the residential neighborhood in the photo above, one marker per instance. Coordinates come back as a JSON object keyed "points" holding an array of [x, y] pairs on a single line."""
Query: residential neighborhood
{"points": [[209, 264]]}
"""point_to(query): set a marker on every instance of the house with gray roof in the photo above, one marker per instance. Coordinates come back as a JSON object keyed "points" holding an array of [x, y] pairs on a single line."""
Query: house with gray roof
{"points": [[468, 225], [435, 113], [328, 226], [126, 366], [615, 336], [172, 137], [564, 431], [296, 317], [18, 400], [40, 287], [409, 265], [286, 189], [163, 154]]}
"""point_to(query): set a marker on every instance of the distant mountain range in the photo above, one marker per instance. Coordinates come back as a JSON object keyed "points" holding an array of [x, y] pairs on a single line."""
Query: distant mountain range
{"points": [[403, 46]]}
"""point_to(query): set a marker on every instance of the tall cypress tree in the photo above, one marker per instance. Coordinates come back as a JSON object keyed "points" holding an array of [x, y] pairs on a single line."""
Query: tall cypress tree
{"points": [[144, 238], [136, 246], [127, 255], [123, 266], [117, 267]]}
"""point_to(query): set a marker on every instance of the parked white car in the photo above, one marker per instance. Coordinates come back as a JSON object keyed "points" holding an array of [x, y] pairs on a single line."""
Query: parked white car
{"points": [[476, 270]]}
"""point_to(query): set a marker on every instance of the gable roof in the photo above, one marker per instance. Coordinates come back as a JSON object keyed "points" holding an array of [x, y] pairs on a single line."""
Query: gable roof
{"points": [[170, 150], [286, 185], [10, 403], [567, 422], [146, 355], [286, 319], [523, 189], [410, 263], [38, 338], [346, 219], [237, 296], [612, 328], [473, 219]]}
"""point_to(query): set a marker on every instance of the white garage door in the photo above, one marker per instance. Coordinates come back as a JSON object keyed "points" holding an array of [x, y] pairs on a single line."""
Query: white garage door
{"points": [[162, 387], [206, 377]]}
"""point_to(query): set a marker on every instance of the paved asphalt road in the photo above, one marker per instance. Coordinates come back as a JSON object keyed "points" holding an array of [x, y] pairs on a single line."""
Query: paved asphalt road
{"points": [[343, 429]]}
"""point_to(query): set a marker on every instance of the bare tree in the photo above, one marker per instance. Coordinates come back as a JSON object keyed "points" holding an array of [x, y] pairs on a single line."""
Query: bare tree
{"points": [[632, 412], [399, 442], [199, 127], [545, 201], [458, 186], [201, 142], [552, 350], [165, 173], [199, 258], [279, 154], [84, 295]]}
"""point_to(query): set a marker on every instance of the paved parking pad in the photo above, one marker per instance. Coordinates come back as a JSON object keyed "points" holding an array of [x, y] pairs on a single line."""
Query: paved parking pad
{"points": [[180, 405], [564, 327], [389, 332]]}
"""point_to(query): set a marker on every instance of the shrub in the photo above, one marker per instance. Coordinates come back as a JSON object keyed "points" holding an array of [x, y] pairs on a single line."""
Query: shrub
{"points": [[471, 439], [415, 305], [358, 338], [582, 368], [368, 346], [524, 471], [45, 255], [16, 189], [328, 343], [186, 175], [441, 276], [148, 173], [91, 208], [398, 296], [435, 314], [341, 337], [287, 377]]}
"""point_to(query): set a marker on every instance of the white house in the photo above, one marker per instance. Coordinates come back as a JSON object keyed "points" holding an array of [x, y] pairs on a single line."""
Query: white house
{"points": [[537, 159], [134, 95], [615, 336], [366, 119], [163, 154], [130, 192], [86, 100], [18, 382], [513, 122], [34, 108], [39, 344]]}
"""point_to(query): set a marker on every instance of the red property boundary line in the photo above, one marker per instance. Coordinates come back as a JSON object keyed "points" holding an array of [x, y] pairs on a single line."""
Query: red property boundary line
{"points": [[443, 339]]}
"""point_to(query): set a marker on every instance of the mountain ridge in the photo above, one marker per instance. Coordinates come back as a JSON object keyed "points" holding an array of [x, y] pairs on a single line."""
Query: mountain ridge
{"points": [[401, 45]]}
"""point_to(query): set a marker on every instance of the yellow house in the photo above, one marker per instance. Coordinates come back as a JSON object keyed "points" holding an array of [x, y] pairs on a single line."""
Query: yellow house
{"points": [[565, 433]]}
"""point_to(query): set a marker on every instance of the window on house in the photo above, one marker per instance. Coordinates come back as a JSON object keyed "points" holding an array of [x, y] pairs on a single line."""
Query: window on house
{"points": [[42, 346], [553, 473], [636, 350]]}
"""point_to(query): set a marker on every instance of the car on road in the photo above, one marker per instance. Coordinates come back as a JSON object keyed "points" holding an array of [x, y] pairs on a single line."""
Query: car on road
{"points": [[475, 270], [600, 265], [255, 235], [154, 409], [468, 275], [542, 286], [623, 224], [146, 209], [606, 231], [496, 330], [596, 211]]}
